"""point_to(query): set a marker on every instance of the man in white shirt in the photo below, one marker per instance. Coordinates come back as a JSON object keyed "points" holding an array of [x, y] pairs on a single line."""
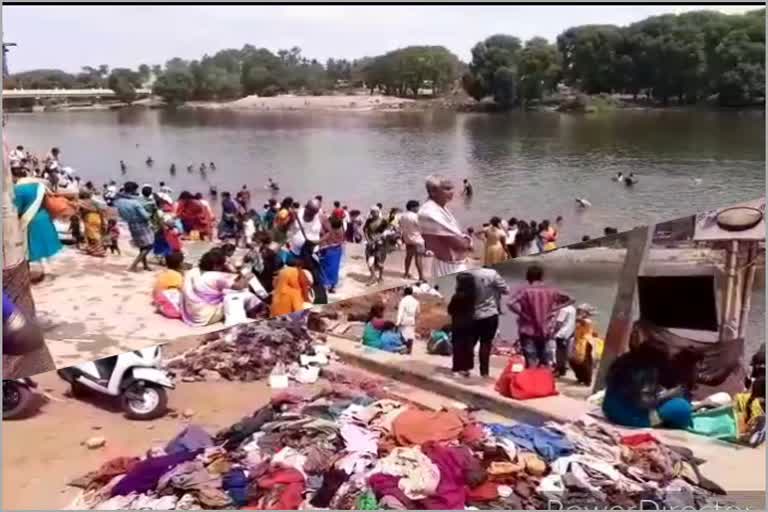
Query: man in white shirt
{"points": [[16, 157], [564, 329], [407, 311], [308, 226]]}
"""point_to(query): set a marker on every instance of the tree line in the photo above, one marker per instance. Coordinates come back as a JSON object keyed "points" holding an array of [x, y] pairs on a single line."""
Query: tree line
{"points": [[683, 58]]}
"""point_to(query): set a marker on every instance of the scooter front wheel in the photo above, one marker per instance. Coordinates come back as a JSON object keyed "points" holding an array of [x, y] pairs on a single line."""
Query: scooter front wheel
{"points": [[16, 399], [144, 401]]}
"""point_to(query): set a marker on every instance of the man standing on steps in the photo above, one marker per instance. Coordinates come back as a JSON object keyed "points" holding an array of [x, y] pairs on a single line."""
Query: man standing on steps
{"points": [[535, 306], [442, 234], [489, 287]]}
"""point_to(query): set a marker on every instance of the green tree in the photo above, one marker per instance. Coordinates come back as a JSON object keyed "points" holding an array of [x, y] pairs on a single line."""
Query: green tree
{"points": [[175, 86], [493, 70], [124, 82], [539, 69], [590, 57]]}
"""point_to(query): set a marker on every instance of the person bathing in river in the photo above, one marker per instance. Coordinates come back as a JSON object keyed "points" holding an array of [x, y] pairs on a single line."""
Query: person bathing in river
{"points": [[512, 230], [243, 198], [123, 167], [469, 191], [495, 242], [547, 236], [271, 185]]}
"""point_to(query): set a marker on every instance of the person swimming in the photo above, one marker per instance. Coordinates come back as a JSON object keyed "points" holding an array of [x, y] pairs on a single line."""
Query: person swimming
{"points": [[630, 180], [150, 162], [583, 203], [619, 177], [212, 166], [190, 168], [271, 185], [123, 167], [172, 170], [203, 167]]}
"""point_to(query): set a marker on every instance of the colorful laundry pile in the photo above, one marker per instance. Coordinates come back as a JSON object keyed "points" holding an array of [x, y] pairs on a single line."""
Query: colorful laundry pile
{"points": [[249, 352], [338, 447]]}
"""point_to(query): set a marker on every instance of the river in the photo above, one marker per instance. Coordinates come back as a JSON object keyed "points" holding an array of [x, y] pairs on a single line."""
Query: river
{"points": [[530, 165]]}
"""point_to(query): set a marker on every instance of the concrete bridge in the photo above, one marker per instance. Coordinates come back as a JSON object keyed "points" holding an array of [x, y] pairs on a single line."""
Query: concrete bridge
{"points": [[39, 94]]}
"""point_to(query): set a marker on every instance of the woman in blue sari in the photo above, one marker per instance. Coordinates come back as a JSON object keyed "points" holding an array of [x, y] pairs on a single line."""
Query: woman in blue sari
{"points": [[42, 238], [331, 253]]}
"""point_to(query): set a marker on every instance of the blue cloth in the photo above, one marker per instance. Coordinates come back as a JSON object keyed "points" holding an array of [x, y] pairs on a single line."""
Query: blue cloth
{"points": [[621, 411], [8, 309], [330, 264], [161, 247], [190, 439], [548, 444], [391, 341], [676, 413], [42, 238], [235, 483]]}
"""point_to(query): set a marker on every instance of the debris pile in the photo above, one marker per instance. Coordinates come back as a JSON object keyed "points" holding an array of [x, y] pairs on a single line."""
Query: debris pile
{"points": [[252, 351], [343, 448]]}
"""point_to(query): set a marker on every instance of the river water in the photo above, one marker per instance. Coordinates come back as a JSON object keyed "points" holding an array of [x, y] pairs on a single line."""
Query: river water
{"points": [[529, 165]]}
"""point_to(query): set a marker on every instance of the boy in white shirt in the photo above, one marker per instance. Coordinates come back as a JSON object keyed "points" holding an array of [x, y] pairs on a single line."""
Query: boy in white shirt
{"points": [[564, 330]]}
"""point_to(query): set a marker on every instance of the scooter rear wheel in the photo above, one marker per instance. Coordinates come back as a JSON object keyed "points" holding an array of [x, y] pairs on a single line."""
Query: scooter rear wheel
{"points": [[144, 401]]}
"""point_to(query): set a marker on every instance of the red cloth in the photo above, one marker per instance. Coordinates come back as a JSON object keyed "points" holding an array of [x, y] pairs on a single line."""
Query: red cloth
{"points": [[194, 215], [291, 482], [532, 383], [339, 213], [472, 434], [487, 491], [637, 439]]}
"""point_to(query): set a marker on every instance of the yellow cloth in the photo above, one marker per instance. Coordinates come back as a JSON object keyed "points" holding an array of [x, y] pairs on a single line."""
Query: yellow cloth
{"points": [[746, 414], [586, 338], [93, 226], [495, 252], [290, 291], [168, 279]]}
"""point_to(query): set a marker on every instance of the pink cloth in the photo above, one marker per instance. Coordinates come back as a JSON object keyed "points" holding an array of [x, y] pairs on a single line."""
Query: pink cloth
{"points": [[534, 306]]}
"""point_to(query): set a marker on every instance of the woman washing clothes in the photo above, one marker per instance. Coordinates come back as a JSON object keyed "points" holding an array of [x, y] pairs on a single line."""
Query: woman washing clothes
{"points": [[291, 291], [382, 334], [205, 287], [646, 388]]}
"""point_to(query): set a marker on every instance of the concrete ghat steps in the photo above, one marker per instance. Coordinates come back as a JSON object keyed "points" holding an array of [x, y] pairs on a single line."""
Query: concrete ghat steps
{"points": [[417, 373]]}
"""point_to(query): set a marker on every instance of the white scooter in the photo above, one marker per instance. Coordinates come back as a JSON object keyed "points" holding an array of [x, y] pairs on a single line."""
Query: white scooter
{"points": [[136, 377]]}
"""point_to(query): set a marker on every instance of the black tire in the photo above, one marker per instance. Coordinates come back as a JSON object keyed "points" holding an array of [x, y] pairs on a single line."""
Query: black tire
{"points": [[78, 390], [16, 400], [159, 410]]}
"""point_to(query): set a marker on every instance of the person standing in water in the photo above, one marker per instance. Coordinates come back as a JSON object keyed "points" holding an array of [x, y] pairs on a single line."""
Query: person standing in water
{"points": [[468, 189], [123, 167]]}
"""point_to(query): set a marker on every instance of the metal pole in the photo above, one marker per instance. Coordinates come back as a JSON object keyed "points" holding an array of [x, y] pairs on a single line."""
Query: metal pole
{"points": [[726, 327]]}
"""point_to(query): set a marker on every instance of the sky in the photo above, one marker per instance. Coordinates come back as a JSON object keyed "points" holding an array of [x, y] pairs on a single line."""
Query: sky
{"points": [[69, 37]]}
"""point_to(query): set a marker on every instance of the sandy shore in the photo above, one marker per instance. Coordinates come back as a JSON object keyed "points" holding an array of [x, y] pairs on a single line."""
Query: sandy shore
{"points": [[355, 103]]}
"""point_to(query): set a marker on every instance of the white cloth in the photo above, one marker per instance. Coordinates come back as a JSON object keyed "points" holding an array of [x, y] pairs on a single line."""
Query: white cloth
{"points": [[16, 157], [407, 311], [511, 234], [566, 318], [437, 220], [165, 189], [445, 268], [409, 227], [312, 229]]}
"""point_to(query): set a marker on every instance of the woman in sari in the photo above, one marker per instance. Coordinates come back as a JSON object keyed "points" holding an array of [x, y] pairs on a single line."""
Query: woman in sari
{"points": [[42, 238], [291, 291], [229, 213], [204, 289], [193, 215], [331, 253], [93, 219], [548, 236], [495, 238]]}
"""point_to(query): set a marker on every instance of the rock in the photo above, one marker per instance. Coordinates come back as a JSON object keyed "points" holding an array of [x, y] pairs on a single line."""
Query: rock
{"points": [[189, 378], [96, 427], [188, 413], [95, 443], [210, 375]]}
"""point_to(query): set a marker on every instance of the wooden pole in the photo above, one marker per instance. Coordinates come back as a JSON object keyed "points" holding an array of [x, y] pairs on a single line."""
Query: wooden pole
{"points": [[620, 326], [749, 283], [726, 325]]}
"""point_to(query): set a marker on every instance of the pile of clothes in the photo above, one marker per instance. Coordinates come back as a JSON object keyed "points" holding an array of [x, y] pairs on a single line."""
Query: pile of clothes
{"points": [[339, 447], [250, 352]]}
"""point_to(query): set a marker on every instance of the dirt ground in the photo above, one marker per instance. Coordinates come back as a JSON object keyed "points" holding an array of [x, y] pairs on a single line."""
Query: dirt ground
{"points": [[43, 452], [308, 103]]}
